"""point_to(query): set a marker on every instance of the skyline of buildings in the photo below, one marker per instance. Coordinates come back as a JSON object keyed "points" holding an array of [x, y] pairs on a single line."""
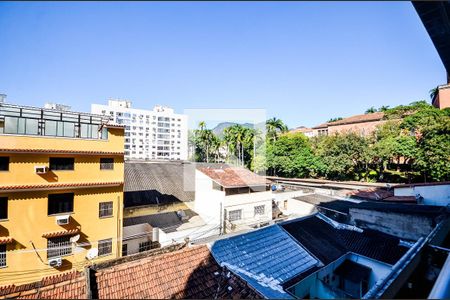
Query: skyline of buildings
{"points": [[149, 134]]}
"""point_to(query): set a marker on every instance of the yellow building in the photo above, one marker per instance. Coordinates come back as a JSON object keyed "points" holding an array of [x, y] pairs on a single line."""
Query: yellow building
{"points": [[61, 191]]}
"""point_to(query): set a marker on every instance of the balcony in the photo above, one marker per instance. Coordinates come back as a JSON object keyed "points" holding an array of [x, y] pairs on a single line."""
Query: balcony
{"points": [[27, 120]]}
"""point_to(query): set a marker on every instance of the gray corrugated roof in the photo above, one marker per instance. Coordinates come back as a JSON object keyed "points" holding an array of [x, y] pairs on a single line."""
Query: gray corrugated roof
{"points": [[315, 198], [158, 183], [168, 221], [265, 258]]}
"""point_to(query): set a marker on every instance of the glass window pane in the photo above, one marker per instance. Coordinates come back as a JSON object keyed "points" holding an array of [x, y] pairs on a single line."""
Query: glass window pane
{"points": [[32, 126], [69, 129], [11, 125], [50, 128], [105, 133], [21, 127], [94, 131], [59, 128], [84, 130]]}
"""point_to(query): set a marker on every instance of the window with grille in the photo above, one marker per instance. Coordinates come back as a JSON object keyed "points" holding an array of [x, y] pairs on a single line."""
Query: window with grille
{"points": [[235, 215], [3, 208], [2, 255], [106, 163], [62, 163], [59, 246], [145, 246], [105, 209], [259, 210], [105, 247], [4, 163], [60, 203]]}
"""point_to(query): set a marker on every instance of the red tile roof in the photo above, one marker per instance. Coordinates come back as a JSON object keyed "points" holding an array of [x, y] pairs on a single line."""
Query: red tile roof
{"points": [[60, 151], [301, 129], [187, 273], [115, 126], [377, 116], [71, 285], [228, 176], [53, 234], [5, 240], [379, 194], [370, 193], [58, 185]]}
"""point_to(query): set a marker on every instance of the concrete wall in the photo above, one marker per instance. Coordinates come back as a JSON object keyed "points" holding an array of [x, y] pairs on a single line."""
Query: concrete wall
{"points": [[134, 232], [246, 203], [410, 227], [363, 128], [438, 195], [313, 285], [443, 98], [207, 200], [379, 269], [193, 233]]}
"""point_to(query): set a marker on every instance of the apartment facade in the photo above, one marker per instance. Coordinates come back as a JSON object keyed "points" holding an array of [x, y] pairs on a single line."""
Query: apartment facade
{"points": [[61, 191], [363, 125], [149, 134], [234, 198]]}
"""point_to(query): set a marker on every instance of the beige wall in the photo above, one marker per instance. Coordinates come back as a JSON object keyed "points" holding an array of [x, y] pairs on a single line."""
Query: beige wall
{"points": [[443, 99], [365, 128], [28, 220], [28, 217]]}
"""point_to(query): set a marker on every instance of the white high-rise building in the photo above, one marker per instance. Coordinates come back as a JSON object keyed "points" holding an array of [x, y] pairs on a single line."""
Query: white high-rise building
{"points": [[149, 134]]}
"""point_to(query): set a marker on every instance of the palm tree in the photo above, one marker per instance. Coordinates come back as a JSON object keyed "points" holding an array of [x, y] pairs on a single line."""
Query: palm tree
{"points": [[202, 125], [434, 92], [384, 108], [371, 110], [273, 126]]}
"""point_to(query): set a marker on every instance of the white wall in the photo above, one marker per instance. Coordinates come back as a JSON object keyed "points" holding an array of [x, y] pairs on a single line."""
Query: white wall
{"points": [[133, 242], [433, 194], [294, 207], [207, 200], [193, 233], [311, 285], [379, 269], [247, 203]]}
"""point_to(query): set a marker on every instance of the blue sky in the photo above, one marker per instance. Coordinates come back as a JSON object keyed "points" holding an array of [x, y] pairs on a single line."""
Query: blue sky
{"points": [[304, 62]]}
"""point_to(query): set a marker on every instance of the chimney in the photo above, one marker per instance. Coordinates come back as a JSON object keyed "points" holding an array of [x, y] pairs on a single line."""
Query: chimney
{"points": [[2, 98]]}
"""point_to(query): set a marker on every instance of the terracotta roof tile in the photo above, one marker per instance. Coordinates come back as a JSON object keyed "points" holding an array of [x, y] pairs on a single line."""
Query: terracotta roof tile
{"points": [[5, 240], [58, 185], [60, 233], [377, 116], [187, 273], [60, 151], [70, 285], [228, 176]]}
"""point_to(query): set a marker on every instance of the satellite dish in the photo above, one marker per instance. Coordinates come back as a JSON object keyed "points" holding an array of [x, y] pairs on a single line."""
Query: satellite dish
{"points": [[92, 253], [75, 238]]}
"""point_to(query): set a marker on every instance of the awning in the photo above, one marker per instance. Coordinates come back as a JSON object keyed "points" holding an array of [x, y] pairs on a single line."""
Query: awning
{"points": [[5, 240], [53, 234]]}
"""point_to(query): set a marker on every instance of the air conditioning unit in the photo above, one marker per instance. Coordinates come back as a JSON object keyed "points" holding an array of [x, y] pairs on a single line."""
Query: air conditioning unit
{"points": [[40, 169], [62, 220], [55, 262]]}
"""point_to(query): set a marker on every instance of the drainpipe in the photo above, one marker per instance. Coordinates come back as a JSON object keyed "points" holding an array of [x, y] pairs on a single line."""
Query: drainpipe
{"points": [[441, 288]]}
